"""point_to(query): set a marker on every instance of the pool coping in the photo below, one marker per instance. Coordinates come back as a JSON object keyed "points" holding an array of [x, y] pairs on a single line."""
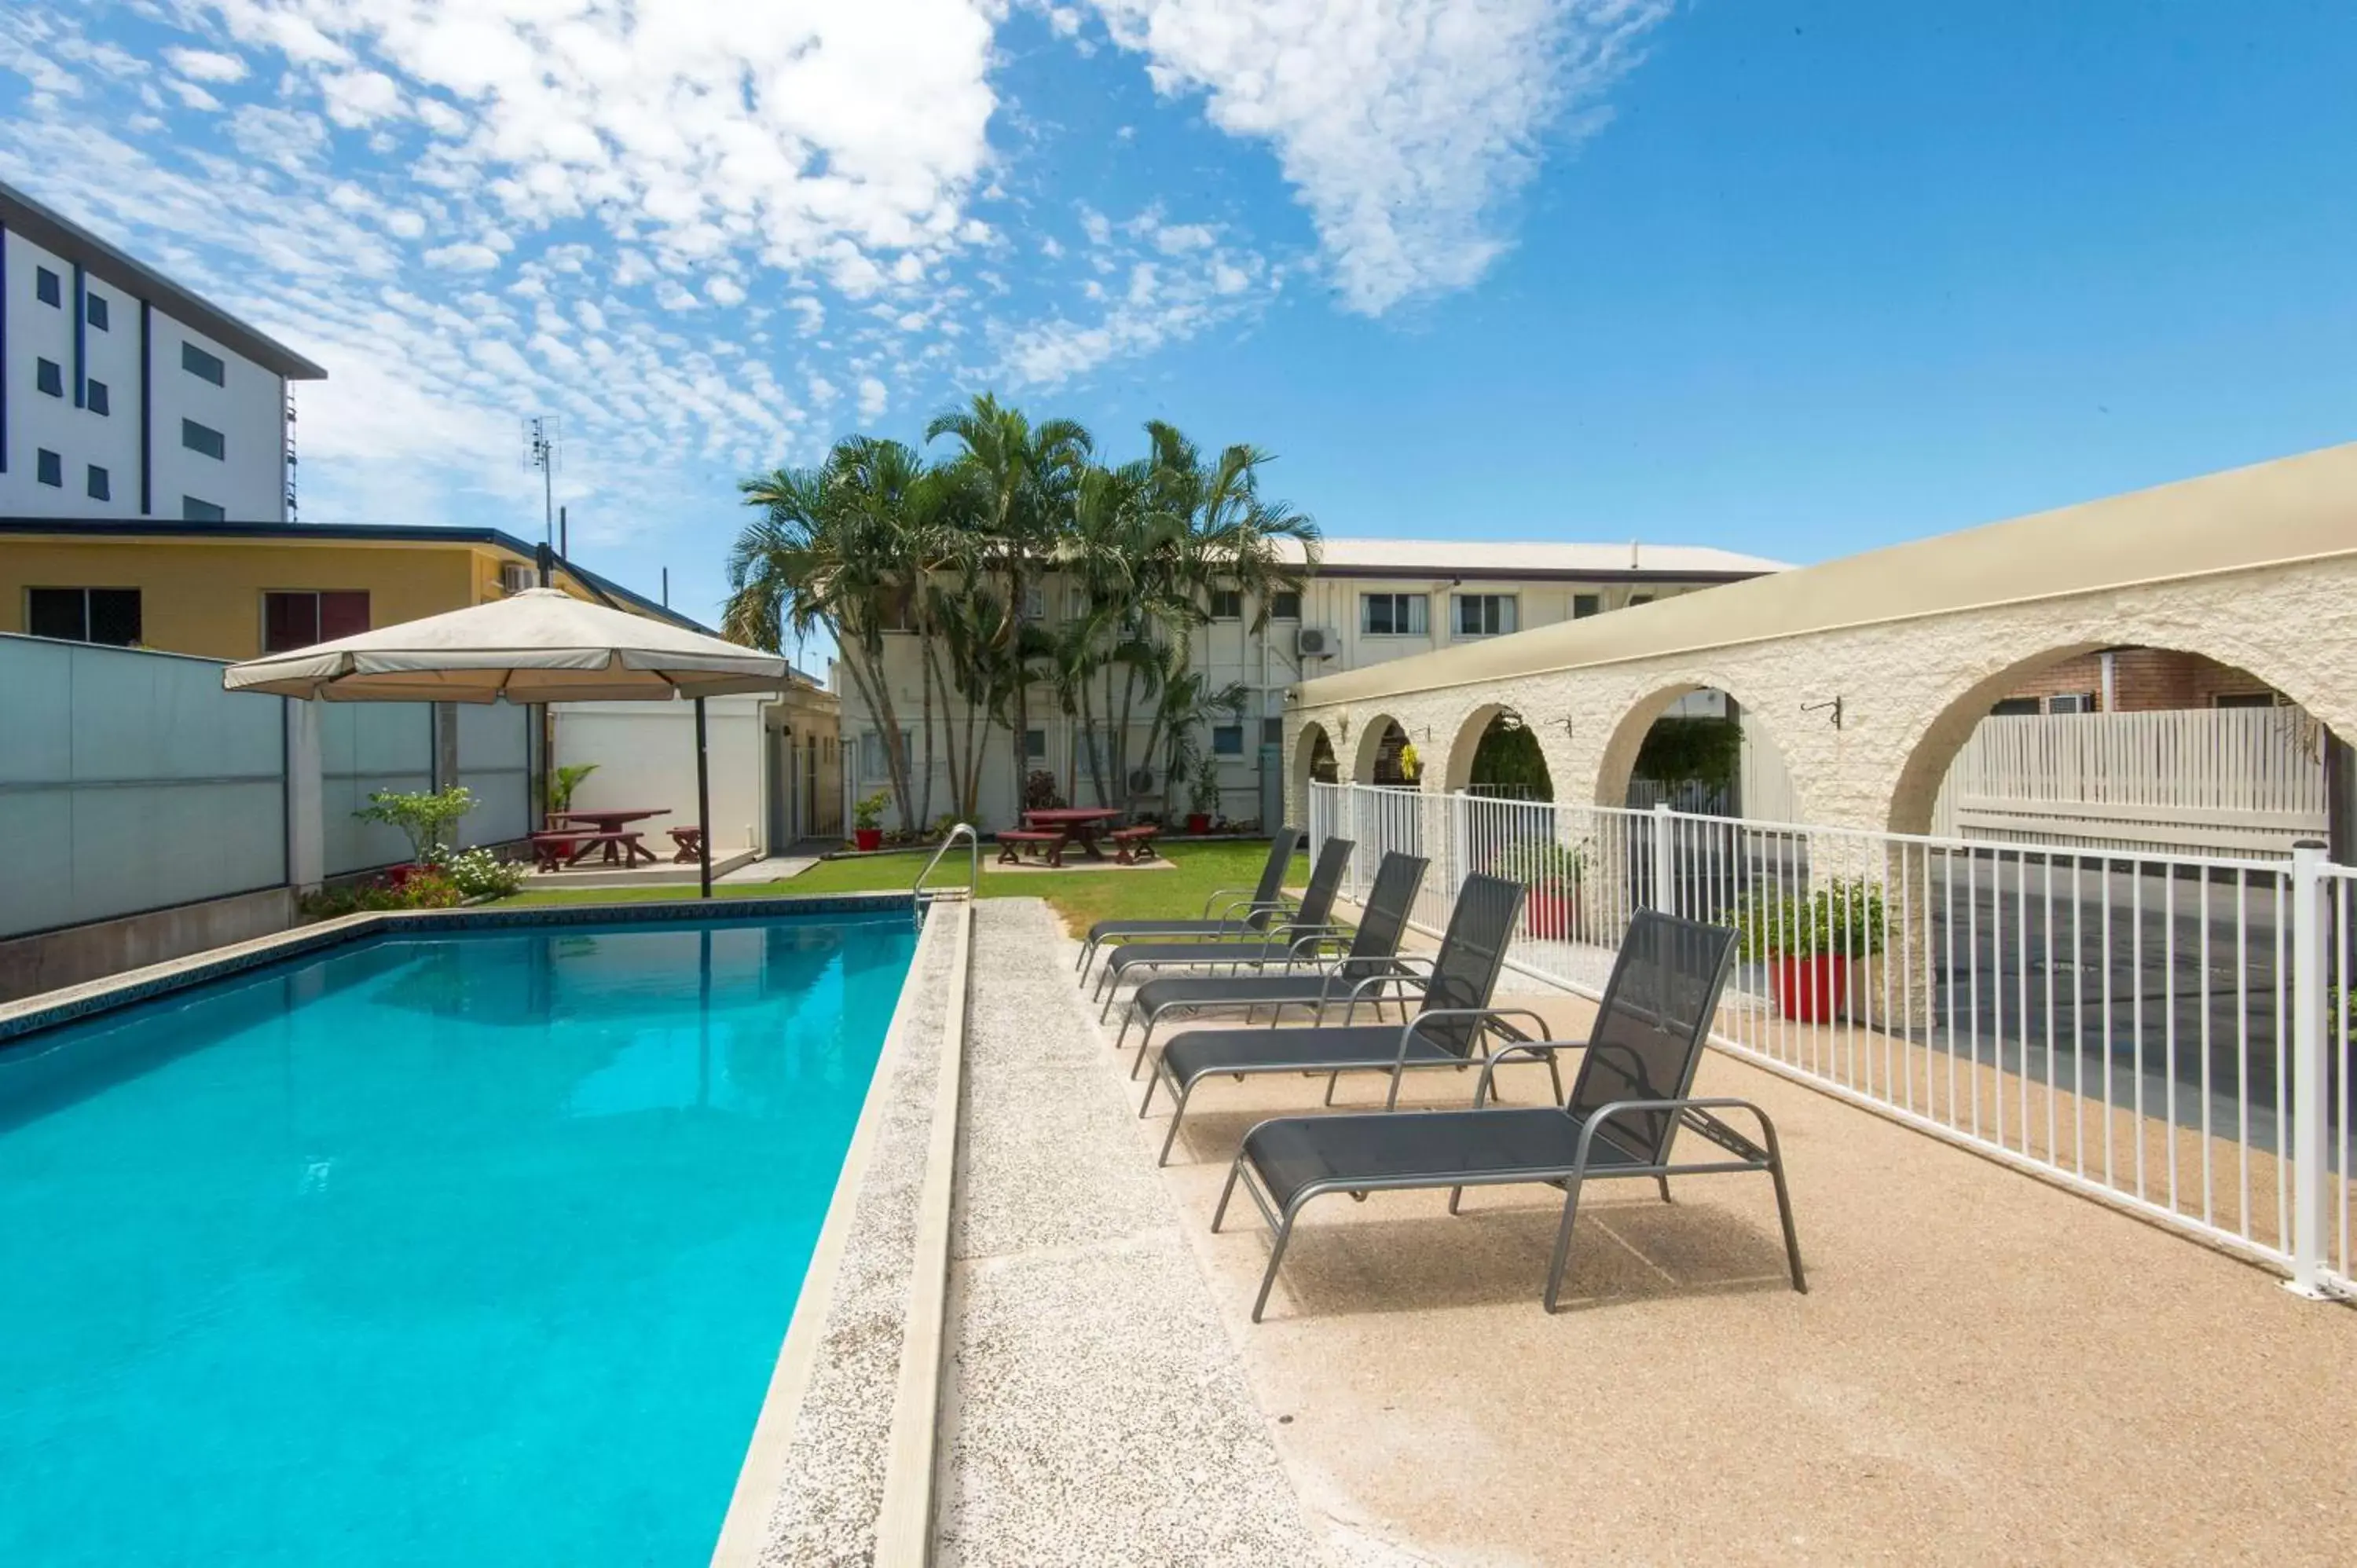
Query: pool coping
{"points": [[47, 1009]]}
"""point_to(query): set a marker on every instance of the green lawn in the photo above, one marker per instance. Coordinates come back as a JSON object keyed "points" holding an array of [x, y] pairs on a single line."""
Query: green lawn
{"points": [[1081, 896]]}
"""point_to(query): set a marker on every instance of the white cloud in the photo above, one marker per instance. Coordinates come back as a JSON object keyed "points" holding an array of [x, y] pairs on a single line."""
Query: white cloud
{"points": [[193, 96], [874, 397], [463, 258], [206, 65], [724, 291], [1402, 124]]}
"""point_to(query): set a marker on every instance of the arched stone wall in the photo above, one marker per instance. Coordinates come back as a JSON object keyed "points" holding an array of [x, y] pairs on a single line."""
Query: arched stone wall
{"points": [[1616, 763], [1369, 745]]}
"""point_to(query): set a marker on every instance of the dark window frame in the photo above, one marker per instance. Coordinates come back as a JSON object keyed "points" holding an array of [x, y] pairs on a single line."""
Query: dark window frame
{"points": [[98, 484], [204, 440], [48, 467], [1585, 605], [1284, 604], [96, 399], [194, 509], [94, 309], [204, 366], [43, 605], [1227, 603], [48, 377], [49, 288], [1399, 615], [1222, 732], [284, 632]]}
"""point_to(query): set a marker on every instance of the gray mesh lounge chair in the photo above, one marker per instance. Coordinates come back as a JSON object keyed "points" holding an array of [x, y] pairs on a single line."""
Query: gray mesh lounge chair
{"points": [[1632, 1094], [1451, 1021], [1228, 912], [1364, 971], [1273, 943]]}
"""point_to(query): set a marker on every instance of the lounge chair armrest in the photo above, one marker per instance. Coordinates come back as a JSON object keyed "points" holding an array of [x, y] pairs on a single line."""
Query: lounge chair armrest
{"points": [[1532, 1049], [1488, 1017], [1248, 897], [1399, 975], [1308, 950], [1693, 1112]]}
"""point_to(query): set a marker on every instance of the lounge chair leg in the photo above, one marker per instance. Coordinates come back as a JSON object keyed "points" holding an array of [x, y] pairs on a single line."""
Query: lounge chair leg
{"points": [[1333, 1079], [1177, 1114], [1123, 1033], [1276, 1257], [1784, 1206], [1143, 1041], [1081, 965], [1563, 1242], [1554, 1077], [1235, 1170], [1665, 1180], [1456, 1194]]}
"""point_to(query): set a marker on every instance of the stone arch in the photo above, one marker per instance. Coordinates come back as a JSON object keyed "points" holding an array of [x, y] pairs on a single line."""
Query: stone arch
{"points": [[1617, 763], [1457, 772], [1315, 761], [1933, 740], [1370, 748]]}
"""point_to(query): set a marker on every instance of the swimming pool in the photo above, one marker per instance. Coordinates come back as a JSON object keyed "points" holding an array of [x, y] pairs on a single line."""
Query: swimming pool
{"points": [[474, 1247]]}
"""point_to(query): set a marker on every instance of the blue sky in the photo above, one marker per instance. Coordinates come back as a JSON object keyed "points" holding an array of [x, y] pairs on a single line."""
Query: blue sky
{"points": [[1791, 278]]}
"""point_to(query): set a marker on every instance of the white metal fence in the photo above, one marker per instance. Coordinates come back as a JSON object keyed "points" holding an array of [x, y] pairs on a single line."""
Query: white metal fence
{"points": [[2150, 1029], [2234, 781]]}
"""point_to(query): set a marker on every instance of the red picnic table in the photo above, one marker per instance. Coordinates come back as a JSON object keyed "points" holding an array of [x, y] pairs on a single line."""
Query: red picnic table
{"points": [[1079, 824], [611, 831]]}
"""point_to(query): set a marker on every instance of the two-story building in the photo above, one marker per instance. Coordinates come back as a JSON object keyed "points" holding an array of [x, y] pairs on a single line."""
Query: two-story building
{"points": [[1369, 600]]}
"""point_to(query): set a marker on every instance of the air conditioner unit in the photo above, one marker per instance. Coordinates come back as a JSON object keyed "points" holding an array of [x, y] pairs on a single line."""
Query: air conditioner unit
{"points": [[515, 578], [1141, 782], [1314, 641]]}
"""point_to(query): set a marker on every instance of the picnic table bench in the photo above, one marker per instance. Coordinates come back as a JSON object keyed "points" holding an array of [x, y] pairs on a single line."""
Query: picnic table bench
{"points": [[1132, 845], [690, 842], [1012, 841]]}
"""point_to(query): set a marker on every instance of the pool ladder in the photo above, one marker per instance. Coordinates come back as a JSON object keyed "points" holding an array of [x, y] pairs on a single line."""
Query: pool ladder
{"points": [[972, 867]]}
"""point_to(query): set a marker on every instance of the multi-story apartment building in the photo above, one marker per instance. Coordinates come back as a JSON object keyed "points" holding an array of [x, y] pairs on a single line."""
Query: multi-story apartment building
{"points": [[123, 395], [1369, 600]]}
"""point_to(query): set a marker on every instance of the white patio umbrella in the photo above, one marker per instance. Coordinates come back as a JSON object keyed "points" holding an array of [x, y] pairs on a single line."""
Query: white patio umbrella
{"points": [[539, 645]]}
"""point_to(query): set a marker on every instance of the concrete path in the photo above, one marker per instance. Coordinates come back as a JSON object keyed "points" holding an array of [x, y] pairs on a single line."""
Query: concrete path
{"points": [[1096, 1411]]}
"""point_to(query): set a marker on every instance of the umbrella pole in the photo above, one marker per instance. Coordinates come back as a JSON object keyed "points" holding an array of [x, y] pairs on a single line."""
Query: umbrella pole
{"points": [[703, 802]]}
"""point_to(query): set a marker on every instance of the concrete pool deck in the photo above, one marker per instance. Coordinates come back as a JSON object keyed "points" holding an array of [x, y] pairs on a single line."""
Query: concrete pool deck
{"points": [[1986, 1367]]}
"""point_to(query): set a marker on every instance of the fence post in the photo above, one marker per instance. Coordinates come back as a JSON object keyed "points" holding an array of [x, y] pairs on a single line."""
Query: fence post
{"points": [[2309, 1127], [1665, 860]]}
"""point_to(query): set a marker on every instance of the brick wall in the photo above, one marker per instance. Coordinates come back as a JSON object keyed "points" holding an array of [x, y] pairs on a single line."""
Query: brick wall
{"points": [[2144, 678]]}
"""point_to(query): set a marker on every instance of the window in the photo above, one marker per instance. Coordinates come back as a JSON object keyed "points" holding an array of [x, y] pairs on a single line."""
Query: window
{"points": [[2072, 702], [1392, 615], [201, 365], [872, 761], [94, 308], [110, 616], [2243, 700], [47, 288], [1484, 615], [1035, 744], [2013, 707], [1271, 732], [48, 467], [194, 510], [98, 488], [291, 620], [96, 399], [200, 438], [1034, 603], [49, 376], [1227, 603], [1226, 740], [1284, 607], [1585, 605], [1636, 599]]}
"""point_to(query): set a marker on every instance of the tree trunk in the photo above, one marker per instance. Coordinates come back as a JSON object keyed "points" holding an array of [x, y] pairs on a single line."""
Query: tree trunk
{"points": [[867, 674], [961, 805], [925, 682]]}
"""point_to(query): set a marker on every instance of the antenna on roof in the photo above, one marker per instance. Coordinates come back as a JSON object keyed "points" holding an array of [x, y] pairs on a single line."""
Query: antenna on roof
{"points": [[1632, 555], [541, 435]]}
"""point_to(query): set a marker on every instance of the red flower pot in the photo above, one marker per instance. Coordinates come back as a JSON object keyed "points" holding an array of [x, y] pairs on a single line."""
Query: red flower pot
{"points": [[1549, 915], [1198, 821], [869, 839], [1810, 990]]}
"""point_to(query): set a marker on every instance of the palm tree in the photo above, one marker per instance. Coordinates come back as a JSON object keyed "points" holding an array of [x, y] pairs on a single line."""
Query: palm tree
{"points": [[1018, 482]]}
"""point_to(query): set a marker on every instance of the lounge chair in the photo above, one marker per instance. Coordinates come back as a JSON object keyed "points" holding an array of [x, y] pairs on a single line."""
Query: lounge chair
{"points": [[1452, 1018], [1228, 912], [1364, 970], [1633, 1092], [1274, 942]]}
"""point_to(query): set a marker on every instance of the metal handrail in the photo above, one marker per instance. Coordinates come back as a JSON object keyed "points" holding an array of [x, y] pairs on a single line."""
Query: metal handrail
{"points": [[972, 867]]}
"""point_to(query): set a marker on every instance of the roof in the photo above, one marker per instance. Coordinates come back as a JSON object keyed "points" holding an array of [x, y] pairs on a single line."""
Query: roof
{"points": [[1615, 561], [354, 533], [55, 232], [2291, 510]]}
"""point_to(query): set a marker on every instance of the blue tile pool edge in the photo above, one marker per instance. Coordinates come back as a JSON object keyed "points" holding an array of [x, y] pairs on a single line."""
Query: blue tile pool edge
{"points": [[49, 1009]]}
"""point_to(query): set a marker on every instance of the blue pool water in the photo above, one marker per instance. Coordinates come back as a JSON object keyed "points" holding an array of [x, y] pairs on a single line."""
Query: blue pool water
{"points": [[473, 1248]]}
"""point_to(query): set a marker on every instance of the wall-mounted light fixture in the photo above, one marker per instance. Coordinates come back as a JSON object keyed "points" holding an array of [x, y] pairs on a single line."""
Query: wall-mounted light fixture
{"points": [[1834, 706], [1567, 727]]}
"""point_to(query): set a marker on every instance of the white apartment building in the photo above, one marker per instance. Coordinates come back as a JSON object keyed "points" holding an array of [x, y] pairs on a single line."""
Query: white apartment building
{"points": [[122, 395], [1371, 599]]}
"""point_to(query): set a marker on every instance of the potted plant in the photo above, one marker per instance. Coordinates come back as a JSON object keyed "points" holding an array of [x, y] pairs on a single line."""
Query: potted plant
{"points": [[564, 782], [1551, 871], [1202, 795], [867, 819], [1809, 942], [424, 816]]}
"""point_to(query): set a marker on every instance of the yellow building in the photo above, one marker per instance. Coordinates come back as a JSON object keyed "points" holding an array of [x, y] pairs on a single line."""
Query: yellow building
{"points": [[233, 590]]}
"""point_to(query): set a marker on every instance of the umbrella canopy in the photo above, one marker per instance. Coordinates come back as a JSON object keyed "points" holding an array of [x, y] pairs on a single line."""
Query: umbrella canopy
{"points": [[539, 645]]}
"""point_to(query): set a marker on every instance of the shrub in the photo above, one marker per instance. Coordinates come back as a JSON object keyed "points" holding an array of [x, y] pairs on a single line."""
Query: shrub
{"points": [[565, 780], [1039, 791], [1843, 917], [479, 872], [421, 815], [1540, 861], [867, 812], [429, 890]]}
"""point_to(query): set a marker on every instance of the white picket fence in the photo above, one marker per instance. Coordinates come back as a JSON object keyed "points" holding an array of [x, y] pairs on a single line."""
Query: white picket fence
{"points": [[2234, 781], [2164, 1032]]}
